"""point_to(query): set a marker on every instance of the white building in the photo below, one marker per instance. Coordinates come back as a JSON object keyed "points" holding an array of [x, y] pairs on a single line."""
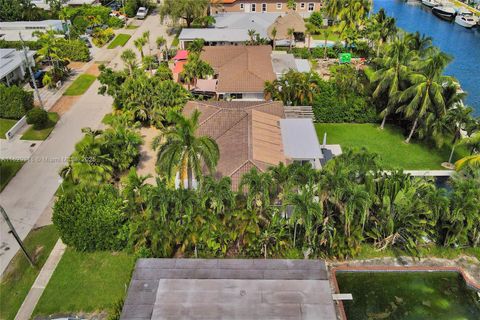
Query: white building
{"points": [[13, 65], [9, 31], [44, 5]]}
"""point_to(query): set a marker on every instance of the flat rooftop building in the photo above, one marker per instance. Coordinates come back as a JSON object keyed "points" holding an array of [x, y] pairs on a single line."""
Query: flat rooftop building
{"points": [[9, 31]]}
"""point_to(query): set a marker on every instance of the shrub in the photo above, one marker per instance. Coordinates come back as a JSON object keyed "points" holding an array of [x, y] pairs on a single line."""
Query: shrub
{"points": [[38, 118], [14, 102], [32, 45], [74, 50], [114, 22], [101, 37], [316, 18], [90, 220]]}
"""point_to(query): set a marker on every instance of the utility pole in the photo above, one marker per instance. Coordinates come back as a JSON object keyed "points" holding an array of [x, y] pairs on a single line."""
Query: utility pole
{"points": [[25, 52], [15, 235]]}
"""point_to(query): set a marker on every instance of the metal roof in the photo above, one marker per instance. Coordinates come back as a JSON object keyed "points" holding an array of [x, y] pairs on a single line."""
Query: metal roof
{"points": [[247, 21], [229, 289], [215, 35], [300, 139], [11, 59]]}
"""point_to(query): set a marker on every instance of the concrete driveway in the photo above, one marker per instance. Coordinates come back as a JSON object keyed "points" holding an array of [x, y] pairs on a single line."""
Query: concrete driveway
{"points": [[31, 190]]}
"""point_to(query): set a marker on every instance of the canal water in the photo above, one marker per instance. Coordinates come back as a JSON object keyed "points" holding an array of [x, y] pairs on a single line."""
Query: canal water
{"points": [[463, 44]]}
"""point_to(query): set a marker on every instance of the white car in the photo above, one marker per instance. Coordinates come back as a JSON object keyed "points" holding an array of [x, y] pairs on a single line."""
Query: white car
{"points": [[142, 13]]}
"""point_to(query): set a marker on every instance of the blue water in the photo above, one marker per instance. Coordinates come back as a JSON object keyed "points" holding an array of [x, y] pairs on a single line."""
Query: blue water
{"points": [[463, 44]]}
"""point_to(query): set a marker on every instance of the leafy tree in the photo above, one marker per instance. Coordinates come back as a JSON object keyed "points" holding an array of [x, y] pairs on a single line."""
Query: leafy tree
{"points": [[90, 219], [38, 118], [139, 44], [188, 10], [195, 69], [14, 102], [316, 19], [181, 151], [217, 195], [196, 46], [293, 88], [258, 187], [129, 57]]}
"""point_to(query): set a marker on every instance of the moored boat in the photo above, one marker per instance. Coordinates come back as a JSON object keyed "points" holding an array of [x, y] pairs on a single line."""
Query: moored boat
{"points": [[466, 19], [430, 3], [444, 12]]}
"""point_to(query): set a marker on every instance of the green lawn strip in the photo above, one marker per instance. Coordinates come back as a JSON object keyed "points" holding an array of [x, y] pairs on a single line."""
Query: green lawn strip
{"points": [[389, 144], [175, 41], [86, 282], [20, 275], [32, 134], [5, 125], [333, 35], [131, 27], [80, 85], [119, 41], [8, 170]]}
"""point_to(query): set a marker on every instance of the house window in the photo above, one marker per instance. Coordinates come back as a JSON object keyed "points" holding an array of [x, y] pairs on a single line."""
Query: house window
{"points": [[254, 7], [264, 7], [279, 6], [302, 5], [236, 96], [242, 6], [311, 7]]}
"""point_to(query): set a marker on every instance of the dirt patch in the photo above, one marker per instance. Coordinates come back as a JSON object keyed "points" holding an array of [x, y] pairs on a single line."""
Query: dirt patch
{"points": [[93, 70], [64, 104], [74, 65], [148, 156]]}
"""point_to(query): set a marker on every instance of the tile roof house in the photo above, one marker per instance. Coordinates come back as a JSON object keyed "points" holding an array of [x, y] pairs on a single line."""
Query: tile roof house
{"points": [[304, 8], [254, 135], [241, 71]]}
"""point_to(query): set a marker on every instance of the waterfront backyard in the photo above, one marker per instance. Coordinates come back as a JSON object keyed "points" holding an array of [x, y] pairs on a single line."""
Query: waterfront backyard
{"points": [[389, 144]]}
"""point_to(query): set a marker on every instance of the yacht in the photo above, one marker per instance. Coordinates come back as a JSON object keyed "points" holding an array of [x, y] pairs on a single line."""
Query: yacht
{"points": [[444, 12], [430, 3], [466, 19]]}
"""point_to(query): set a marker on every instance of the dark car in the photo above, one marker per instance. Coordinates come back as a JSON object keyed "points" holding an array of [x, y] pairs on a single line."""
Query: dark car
{"points": [[38, 76]]}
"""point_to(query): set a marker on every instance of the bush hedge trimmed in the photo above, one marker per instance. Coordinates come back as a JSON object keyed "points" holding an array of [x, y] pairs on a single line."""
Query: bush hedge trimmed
{"points": [[38, 118], [74, 50], [14, 102]]}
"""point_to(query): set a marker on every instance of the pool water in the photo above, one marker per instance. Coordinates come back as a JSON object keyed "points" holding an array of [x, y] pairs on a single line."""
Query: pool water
{"points": [[408, 296]]}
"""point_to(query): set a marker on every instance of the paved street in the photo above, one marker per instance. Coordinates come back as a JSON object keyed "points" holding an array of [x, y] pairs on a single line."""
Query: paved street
{"points": [[30, 191]]}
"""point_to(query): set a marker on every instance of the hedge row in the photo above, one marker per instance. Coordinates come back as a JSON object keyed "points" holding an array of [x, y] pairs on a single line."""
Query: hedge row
{"points": [[14, 102]]}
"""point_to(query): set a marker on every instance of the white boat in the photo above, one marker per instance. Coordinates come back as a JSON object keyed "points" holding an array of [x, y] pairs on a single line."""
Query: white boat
{"points": [[444, 12], [466, 19], [430, 3]]}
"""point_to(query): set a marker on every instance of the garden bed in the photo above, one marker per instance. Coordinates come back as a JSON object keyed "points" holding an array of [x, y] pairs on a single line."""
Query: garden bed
{"points": [[42, 134]]}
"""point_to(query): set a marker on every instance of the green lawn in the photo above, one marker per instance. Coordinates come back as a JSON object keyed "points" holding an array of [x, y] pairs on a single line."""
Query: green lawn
{"points": [[5, 125], [32, 134], [8, 170], [131, 27], [17, 281], [119, 41], [80, 85], [175, 41], [388, 144], [86, 282], [333, 35]]}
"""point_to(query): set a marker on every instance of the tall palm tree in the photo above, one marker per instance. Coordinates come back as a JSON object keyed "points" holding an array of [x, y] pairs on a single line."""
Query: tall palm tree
{"points": [[326, 33], [425, 95], [146, 36], [274, 37], [217, 195], [161, 42], [181, 151], [259, 186], [473, 159], [394, 68], [196, 46], [334, 7], [311, 29], [139, 44], [291, 34], [458, 119], [251, 34], [130, 59], [195, 69]]}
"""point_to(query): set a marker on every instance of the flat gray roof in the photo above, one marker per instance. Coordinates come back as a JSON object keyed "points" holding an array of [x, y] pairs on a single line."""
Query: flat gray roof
{"points": [[283, 62], [248, 21], [300, 139], [229, 289], [215, 35]]}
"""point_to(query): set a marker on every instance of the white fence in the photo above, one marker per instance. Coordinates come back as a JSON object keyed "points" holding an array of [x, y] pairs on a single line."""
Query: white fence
{"points": [[16, 127]]}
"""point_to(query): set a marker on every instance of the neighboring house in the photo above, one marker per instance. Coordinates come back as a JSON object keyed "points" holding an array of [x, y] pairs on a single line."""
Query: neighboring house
{"points": [[240, 71], [13, 65], [255, 135], [304, 8], [9, 31], [44, 5], [213, 37], [179, 62], [246, 21], [282, 62]]}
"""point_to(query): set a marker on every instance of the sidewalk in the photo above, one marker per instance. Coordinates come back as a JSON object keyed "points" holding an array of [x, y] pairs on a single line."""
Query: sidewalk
{"points": [[26, 309]]}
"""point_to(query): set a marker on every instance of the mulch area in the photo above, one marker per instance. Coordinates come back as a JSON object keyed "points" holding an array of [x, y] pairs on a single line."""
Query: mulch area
{"points": [[64, 104]]}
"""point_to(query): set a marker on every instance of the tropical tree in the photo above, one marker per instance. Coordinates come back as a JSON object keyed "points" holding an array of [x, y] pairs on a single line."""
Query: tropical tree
{"points": [[273, 33], [195, 69], [293, 88], [472, 160], [310, 30], [458, 119], [49, 50], [187, 10], [129, 57], [196, 46], [181, 151], [139, 44], [258, 187], [425, 95], [217, 195], [162, 42], [146, 36], [291, 34]]}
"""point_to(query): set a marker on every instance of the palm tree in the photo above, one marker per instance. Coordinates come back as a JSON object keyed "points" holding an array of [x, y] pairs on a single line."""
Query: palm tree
{"points": [[251, 34], [334, 7], [130, 59], [217, 195], [472, 142], [148, 63], [291, 33], [139, 44], [146, 36], [161, 41], [458, 119], [310, 30], [274, 37], [425, 95], [196, 46], [181, 151], [473, 159], [259, 186], [326, 33], [49, 50], [195, 69], [393, 70]]}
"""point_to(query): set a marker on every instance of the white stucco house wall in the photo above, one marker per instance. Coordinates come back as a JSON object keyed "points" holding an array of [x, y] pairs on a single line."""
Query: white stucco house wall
{"points": [[14, 65]]}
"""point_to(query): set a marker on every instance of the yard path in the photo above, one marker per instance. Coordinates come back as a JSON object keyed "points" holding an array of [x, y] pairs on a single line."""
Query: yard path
{"points": [[29, 193]]}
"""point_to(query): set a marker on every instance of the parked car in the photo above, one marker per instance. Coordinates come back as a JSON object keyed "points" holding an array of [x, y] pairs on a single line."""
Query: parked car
{"points": [[38, 76], [142, 13]]}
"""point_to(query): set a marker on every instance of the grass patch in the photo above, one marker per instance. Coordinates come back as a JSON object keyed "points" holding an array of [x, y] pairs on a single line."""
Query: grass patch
{"points": [[8, 170], [119, 41], [17, 281], [333, 35], [80, 85], [42, 134], [389, 144], [5, 125], [131, 27], [86, 282], [175, 41]]}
